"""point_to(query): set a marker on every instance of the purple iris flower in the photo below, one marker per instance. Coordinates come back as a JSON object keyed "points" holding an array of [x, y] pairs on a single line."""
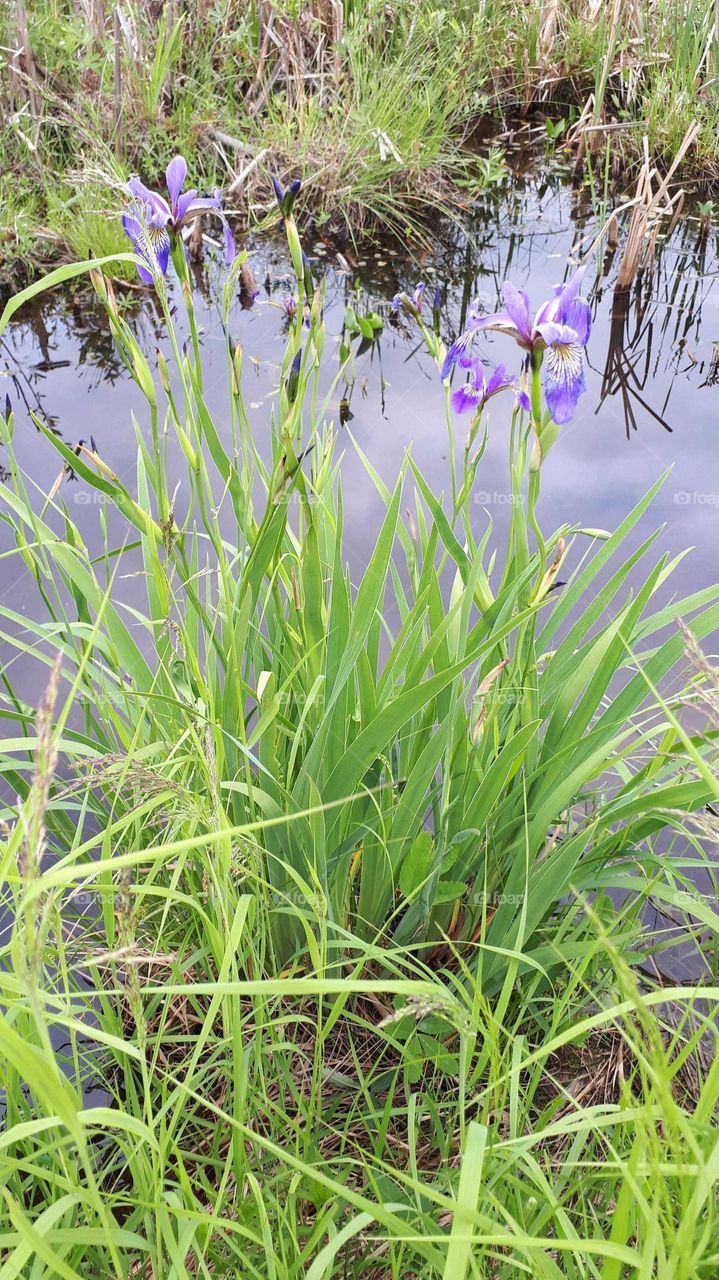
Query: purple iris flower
{"points": [[290, 306], [559, 332], [152, 221], [409, 302], [474, 394]]}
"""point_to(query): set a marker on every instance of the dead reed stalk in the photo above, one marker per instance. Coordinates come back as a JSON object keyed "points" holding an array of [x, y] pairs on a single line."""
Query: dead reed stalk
{"points": [[22, 62], [652, 203]]}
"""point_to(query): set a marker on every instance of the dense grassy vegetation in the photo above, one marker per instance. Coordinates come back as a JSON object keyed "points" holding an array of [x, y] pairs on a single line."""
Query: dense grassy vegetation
{"points": [[325, 951], [367, 102]]}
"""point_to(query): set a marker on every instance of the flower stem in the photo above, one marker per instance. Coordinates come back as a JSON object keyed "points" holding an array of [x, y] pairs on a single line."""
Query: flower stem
{"points": [[536, 392], [534, 471]]}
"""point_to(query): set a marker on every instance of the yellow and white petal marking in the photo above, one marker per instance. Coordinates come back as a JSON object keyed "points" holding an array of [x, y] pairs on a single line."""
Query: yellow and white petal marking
{"points": [[154, 245], [564, 362]]}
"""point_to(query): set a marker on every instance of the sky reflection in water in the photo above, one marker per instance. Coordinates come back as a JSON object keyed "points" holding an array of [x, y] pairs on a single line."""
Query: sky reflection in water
{"points": [[651, 401]]}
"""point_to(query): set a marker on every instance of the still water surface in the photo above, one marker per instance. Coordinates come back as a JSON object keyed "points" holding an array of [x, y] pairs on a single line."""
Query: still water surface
{"points": [[652, 400]]}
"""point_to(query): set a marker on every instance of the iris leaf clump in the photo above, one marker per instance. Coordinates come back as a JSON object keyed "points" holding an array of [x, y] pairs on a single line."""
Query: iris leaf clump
{"points": [[361, 859]]}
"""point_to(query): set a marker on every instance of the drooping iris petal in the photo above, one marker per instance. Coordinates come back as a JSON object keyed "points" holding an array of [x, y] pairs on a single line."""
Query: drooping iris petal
{"points": [[563, 377], [151, 243], [454, 352], [161, 245], [466, 399], [472, 395], [133, 231], [131, 226], [175, 175], [477, 391]]}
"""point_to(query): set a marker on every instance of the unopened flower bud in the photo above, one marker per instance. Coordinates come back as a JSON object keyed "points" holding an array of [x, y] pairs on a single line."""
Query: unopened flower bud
{"points": [[294, 377], [164, 373]]}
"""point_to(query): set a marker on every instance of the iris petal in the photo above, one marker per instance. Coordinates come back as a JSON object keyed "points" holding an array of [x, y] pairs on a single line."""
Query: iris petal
{"points": [[559, 307], [138, 189], [500, 322], [455, 351], [516, 305], [133, 230], [202, 203], [157, 204], [183, 204], [579, 317], [497, 382], [566, 293], [564, 381], [162, 252], [175, 175], [131, 226], [151, 244], [547, 312], [229, 240], [552, 332], [466, 399]]}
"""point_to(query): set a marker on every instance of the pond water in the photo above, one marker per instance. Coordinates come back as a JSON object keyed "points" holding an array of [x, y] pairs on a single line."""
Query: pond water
{"points": [[652, 400]]}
